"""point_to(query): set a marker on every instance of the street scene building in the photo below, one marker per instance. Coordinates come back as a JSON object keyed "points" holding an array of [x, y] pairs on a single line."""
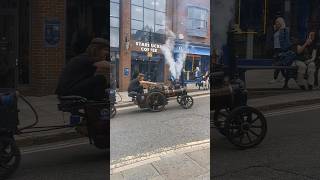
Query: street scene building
{"points": [[138, 29], [254, 22], [259, 40], [41, 36]]}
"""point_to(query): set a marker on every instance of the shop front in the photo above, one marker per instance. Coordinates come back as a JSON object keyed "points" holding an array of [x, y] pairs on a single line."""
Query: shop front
{"points": [[197, 56], [146, 58]]}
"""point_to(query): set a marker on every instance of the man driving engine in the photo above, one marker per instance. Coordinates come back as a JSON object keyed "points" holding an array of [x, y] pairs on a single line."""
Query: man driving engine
{"points": [[136, 87], [85, 74]]}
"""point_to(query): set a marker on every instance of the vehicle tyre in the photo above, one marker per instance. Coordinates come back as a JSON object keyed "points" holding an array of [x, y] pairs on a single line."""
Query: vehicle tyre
{"points": [[156, 101], [10, 157], [186, 102], [246, 127]]}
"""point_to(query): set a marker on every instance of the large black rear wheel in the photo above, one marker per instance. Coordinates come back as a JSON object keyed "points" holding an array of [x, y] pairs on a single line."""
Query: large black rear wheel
{"points": [[10, 157], [156, 101]]}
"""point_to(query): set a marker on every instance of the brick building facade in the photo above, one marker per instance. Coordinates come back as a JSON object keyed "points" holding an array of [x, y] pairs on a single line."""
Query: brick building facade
{"points": [[40, 36], [136, 23]]}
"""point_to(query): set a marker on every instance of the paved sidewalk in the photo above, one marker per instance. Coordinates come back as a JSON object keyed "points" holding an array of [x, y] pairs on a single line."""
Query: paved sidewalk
{"points": [[189, 162]]}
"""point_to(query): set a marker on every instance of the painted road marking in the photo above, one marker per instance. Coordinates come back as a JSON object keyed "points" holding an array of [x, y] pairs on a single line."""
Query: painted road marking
{"points": [[55, 146], [292, 110]]}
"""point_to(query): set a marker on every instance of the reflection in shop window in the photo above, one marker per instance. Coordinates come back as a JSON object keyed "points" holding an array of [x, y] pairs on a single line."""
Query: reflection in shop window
{"points": [[148, 20], [114, 37], [137, 2], [146, 17], [160, 5], [136, 13], [114, 23], [197, 24], [149, 4]]}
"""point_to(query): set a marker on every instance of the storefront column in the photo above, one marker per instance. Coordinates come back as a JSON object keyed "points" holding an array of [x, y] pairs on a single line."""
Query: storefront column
{"points": [[125, 50]]}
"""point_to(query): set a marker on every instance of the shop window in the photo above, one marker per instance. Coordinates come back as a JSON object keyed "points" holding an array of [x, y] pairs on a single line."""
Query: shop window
{"points": [[137, 2], [197, 24], [114, 37], [148, 16], [160, 5], [149, 4], [136, 13]]}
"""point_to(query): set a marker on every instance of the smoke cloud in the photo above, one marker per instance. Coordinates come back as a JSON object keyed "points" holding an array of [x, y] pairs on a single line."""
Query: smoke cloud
{"points": [[223, 14], [175, 65]]}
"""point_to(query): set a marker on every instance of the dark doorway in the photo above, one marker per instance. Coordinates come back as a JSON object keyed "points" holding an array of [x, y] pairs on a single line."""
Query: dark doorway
{"points": [[86, 19], [8, 42]]}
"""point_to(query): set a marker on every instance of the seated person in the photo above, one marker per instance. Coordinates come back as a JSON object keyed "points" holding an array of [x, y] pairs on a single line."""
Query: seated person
{"points": [[85, 74], [135, 87], [305, 61]]}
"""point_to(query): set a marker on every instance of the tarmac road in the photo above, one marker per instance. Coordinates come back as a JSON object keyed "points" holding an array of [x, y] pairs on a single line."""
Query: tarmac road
{"points": [[291, 149], [135, 131]]}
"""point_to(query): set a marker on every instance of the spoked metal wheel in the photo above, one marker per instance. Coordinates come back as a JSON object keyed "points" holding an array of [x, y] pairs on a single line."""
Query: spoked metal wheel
{"points": [[220, 118], [246, 127], [186, 102], [9, 157], [156, 101]]}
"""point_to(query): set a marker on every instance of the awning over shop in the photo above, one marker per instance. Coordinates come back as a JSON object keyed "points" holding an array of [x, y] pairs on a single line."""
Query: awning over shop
{"points": [[194, 49]]}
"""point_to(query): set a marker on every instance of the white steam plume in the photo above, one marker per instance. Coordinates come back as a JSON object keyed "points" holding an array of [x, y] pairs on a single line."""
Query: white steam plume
{"points": [[223, 14], [175, 66]]}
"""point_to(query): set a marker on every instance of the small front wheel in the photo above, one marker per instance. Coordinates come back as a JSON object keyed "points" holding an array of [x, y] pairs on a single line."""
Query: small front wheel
{"points": [[245, 127], [186, 102]]}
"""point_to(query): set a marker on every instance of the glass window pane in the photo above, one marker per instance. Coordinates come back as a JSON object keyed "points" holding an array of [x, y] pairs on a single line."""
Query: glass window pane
{"points": [[160, 5], [138, 25], [114, 37], [137, 2], [114, 22], [160, 18], [190, 12], [148, 20], [203, 14], [149, 4], [136, 13], [160, 29], [114, 9], [138, 35], [117, 1], [196, 13]]}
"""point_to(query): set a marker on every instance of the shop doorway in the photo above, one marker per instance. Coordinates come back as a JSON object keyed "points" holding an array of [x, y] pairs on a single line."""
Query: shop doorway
{"points": [[191, 63], [84, 19], [141, 63]]}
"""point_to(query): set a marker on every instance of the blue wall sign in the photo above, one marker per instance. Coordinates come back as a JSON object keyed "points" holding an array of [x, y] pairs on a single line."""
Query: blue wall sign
{"points": [[126, 71], [52, 33]]}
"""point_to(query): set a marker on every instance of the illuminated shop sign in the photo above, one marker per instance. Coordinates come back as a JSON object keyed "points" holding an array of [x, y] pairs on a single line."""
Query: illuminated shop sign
{"points": [[146, 47]]}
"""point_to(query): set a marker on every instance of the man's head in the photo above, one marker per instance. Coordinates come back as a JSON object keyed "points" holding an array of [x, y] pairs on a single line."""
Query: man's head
{"points": [[98, 49], [140, 77]]}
